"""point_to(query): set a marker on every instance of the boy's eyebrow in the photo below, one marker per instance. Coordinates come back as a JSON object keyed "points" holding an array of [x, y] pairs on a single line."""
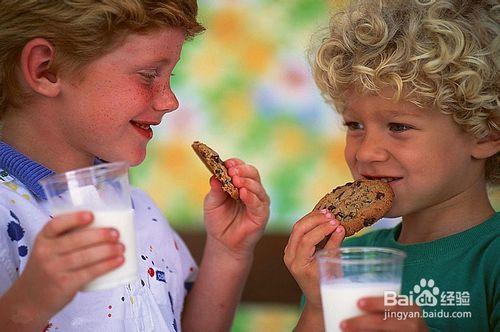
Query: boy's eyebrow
{"points": [[164, 61], [390, 112], [398, 113]]}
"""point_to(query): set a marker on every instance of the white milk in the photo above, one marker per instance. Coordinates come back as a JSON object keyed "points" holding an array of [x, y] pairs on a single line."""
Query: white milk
{"points": [[123, 222], [340, 300]]}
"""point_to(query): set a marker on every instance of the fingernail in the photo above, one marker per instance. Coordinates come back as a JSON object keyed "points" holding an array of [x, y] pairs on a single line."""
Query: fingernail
{"points": [[343, 325], [334, 222], [362, 303], [114, 233], [323, 211], [338, 230], [87, 216], [328, 215]]}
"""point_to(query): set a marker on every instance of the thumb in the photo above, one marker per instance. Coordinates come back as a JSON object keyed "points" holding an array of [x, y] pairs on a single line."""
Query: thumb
{"points": [[216, 196]]}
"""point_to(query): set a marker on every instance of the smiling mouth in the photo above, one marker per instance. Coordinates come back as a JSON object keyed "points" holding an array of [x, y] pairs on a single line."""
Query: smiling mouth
{"points": [[143, 128], [386, 179]]}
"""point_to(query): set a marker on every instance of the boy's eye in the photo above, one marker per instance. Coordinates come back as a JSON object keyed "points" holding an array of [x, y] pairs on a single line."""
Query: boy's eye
{"points": [[149, 75], [351, 125], [399, 127]]}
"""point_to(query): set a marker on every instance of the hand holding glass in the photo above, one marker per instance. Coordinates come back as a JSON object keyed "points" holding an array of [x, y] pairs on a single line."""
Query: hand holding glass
{"points": [[348, 274], [104, 190]]}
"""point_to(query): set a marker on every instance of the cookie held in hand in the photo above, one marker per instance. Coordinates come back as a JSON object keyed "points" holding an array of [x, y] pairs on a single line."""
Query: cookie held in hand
{"points": [[216, 166], [358, 204]]}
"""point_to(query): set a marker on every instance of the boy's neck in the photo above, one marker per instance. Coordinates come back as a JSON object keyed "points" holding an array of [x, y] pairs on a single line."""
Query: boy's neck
{"points": [[34, 138], [462, 212]]}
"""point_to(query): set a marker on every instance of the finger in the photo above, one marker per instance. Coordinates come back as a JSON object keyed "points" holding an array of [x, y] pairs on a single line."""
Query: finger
{"points": [[255, 207], [372, 322], [216, 197], [252, 185], [89, 273], [307, 245], [84, 238], [301, 227], [244, 170], [67, 222], [336, 238], [91, 256], [232, 162], [374, 304]]}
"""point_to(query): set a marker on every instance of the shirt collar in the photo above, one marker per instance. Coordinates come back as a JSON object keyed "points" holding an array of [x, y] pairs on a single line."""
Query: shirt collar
{"points": [[26, 170]]}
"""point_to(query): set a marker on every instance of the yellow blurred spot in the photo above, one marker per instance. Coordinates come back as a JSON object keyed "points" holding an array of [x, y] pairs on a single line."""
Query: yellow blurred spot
{"points": [[176, 171], [236, 107], [27, 197], [331, 164], [257, 55], [11, 185], [289, 141], [227, 25], [207, 65]]}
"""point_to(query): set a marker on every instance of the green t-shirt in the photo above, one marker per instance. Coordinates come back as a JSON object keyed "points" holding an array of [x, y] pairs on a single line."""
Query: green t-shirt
{"points": [[460, 274]]}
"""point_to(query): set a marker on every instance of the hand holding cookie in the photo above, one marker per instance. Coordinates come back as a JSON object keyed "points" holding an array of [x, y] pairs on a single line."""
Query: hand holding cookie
{"points": [[299, 252], [237, 207], [342, 212]]}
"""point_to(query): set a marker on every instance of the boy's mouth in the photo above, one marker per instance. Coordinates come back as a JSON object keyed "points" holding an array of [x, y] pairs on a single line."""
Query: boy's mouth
{"points": [[143, 128], [386, 179]]}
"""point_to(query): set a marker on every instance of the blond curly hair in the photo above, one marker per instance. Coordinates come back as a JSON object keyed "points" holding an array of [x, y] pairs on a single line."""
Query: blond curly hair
{"points": [[442, 54], [80, 30]]}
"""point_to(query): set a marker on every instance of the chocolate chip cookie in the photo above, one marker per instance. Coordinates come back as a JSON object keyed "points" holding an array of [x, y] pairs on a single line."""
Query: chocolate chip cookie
{"points": [[358, 204], [215, 165]]}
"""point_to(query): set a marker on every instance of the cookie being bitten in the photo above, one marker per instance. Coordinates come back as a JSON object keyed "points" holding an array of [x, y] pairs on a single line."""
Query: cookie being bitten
{"points": [[358, 204], [216, 166]]}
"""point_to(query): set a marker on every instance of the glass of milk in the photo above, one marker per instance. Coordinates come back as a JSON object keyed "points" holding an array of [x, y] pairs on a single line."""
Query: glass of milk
{"points": [[104, 190], [348, 274]]}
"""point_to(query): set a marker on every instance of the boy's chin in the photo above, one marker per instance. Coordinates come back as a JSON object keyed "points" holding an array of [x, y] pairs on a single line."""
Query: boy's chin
{"points": [[393, 213], [131, 160]]}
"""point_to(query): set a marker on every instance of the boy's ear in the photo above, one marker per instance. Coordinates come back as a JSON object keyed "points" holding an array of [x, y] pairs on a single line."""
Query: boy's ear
{"points": [[487, 147], [37, 58]]}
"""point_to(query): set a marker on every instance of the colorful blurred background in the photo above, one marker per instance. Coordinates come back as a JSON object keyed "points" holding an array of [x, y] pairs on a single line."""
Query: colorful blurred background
{"points": [[245, 89]]}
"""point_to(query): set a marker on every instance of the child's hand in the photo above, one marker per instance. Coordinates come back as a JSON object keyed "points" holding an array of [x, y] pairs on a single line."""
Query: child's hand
{"points": [[375, 317], [237, 225], [299, 252], [67, 255]]}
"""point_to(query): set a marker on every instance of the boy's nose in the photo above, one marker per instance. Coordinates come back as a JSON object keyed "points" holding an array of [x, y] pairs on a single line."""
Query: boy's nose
{"points": [[165, 100], [371, 149]]}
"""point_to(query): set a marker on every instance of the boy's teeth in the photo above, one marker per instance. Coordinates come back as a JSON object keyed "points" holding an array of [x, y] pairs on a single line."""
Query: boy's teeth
{"points": [[386, 180], [142, 126]]}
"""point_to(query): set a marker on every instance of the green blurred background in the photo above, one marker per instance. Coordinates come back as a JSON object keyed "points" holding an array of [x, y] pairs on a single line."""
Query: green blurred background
{"points": [[245, 89]]}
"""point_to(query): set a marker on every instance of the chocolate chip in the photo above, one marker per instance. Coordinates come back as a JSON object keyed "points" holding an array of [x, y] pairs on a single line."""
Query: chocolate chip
{"points": [[331, 208], [339, 215], [358, 184], [380, 195], [348, 184], [369, 222]]}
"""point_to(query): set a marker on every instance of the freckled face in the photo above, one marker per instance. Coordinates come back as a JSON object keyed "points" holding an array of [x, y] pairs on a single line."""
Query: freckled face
{"points": [[422, 152], [108, 111]]}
